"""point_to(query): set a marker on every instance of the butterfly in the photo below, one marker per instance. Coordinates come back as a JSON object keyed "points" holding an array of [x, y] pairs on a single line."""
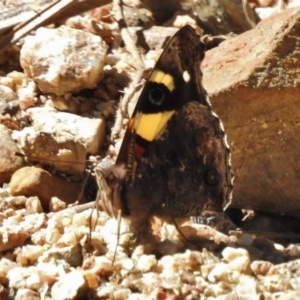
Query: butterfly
{"points": [[174, 160]]}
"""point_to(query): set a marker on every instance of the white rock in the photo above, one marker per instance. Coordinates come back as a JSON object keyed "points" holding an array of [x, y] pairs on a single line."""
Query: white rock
{"points": [[6, 94], [286, 295], [63, 60], [68, 286], [88, 131], [127, 265], [31, 277], [110, 230], [295, 283], [293, 250], [146, 262], [56, 204], [261, 267], [60, 139], [105, 291], [247, 288], [101, 264], [276, 283], [218, 273], [5, 266], [121, 294], [27, 95], [27, 294], [29, 254], [230, 253], [240, 264]]}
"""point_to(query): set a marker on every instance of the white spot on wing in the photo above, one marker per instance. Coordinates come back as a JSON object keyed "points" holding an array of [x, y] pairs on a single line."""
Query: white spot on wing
{"points": [[186, 76]]}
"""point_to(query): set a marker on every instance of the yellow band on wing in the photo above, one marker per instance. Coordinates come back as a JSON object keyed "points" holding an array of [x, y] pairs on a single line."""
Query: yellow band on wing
{"points": [[163, 78], [148, 126]]}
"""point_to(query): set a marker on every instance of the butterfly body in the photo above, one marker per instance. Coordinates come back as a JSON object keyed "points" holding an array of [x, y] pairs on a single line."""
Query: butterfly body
{"points": [[174, 160]]}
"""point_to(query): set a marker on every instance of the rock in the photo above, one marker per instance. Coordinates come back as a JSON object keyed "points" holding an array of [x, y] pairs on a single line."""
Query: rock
{"points": [[27, 294], [33, 205], [288, 295], [29, 254], [17, 229], [9, 161], [60, 139], [292, 267], [70, 286], [76, 64], [25, 88], [10, 240], [215, 16], [32, 181], [33, 277], [153, 37], [247, 288], [261, 267], [6, 94], [71, 255], [88, 131], [146, 262], [56, 204], [229, 254], [3, 292], [5, 266], [253, 84]]}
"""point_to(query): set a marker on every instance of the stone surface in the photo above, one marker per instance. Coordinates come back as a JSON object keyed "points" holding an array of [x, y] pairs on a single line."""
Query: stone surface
{"points": [[6, 94], [9, 161], [17, 90], [253, 84], [63, 60], [32, 181], [60, 139], [27, 294], [71, 286], [71, 254], [215, 16]]}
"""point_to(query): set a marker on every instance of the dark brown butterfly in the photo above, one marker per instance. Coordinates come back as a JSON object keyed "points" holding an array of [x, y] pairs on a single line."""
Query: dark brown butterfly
{"points": [[174, 160]]}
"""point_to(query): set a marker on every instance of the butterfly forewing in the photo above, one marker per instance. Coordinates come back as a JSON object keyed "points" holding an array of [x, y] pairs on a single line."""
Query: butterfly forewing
{"points": [[174, 150], [175, 80]]}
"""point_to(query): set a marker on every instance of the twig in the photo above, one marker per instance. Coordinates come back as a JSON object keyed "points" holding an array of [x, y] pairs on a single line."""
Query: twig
{"points": [[269, 235], [246, 9], [54, 12], [118, 236], [77, 208], [138, 63]]}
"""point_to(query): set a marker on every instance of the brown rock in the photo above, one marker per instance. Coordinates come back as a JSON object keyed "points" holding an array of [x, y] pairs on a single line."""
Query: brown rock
{"points": [[9, 161], [33, 205], [3, 292], [254, 86], [10, 240], [216, 17], [32, 181]]}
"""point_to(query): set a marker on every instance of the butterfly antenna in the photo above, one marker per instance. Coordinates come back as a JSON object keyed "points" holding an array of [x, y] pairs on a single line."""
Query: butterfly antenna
{"points": [[118, 236]]}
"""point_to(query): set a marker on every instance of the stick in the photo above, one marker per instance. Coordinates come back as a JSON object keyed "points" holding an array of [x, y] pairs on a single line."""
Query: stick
{"points": [[138, 63]]}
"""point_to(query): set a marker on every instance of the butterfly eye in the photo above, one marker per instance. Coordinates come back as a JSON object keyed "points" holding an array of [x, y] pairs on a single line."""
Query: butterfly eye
{"points": [[156, 96], [212, 177]]}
